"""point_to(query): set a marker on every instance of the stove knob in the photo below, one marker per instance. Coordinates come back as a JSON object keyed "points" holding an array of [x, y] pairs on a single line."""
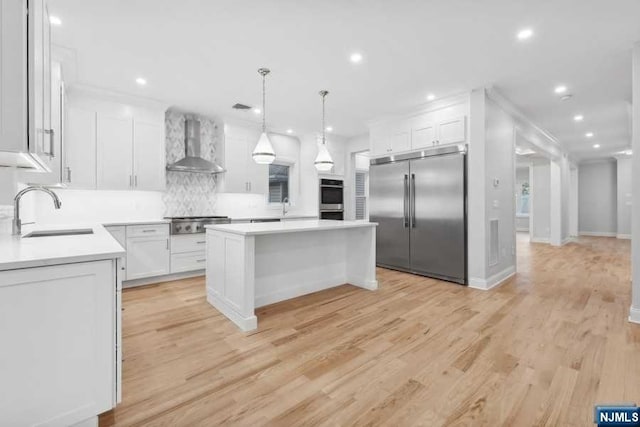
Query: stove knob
{"points": [[187, 227], [178, 227], [198, 227]]}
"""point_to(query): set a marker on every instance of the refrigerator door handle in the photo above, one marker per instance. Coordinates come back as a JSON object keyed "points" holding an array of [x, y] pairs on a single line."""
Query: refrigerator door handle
{"points": [[412, 193], [406, 202]]}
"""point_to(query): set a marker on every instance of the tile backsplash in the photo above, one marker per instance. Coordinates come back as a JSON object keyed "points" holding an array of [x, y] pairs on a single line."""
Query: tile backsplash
{"points": [[189, 194]]}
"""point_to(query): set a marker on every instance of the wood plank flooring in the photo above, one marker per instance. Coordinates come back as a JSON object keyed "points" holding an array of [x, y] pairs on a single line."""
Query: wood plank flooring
{"points": [[541, 349]]}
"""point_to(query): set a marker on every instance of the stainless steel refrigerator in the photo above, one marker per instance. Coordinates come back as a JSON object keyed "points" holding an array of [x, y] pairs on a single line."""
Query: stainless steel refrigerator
{"points": [[419, 202]]}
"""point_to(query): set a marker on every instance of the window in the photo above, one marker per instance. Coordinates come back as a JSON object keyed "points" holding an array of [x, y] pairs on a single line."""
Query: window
{"points": [[278, 183], [361, 195]]}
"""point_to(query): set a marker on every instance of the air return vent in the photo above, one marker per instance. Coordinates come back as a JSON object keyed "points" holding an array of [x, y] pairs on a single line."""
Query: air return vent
{"points": [[241, 107]]}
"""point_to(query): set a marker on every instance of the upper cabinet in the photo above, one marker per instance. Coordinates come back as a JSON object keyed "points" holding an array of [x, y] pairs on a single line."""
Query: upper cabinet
{"points": [[242, 175], [27, 135], [113, 145], [437, 127]]}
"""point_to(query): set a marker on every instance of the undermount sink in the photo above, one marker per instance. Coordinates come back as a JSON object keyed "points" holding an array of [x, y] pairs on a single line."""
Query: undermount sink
{"points": [[47, 233]]}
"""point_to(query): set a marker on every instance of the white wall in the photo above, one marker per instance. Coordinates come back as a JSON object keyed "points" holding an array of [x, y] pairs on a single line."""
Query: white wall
{"points": [[635, 224], [541, 203], [91, 206], [597, 198], [491, 186], [354, 145], [623, 167], [522, 177]]}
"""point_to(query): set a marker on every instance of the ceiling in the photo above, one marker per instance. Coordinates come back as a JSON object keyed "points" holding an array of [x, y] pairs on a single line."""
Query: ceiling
{"points": [[203, 56]]}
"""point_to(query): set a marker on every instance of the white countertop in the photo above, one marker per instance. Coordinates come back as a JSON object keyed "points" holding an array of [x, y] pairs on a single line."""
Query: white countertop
{"points": [[18, 252], [280, 217], [259, 228], [137, 222]]}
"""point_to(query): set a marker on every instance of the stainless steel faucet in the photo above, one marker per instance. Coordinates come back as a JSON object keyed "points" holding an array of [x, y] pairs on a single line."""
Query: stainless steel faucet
{"points": [[17, 224], [284, 205]]}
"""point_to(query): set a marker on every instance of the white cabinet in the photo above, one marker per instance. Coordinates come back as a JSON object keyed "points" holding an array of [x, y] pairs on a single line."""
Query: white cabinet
{"points": [[148, 252], [380, 140], [59, 330], [148, 156], [430, 129], [130, 154], [26, 135], [188, 252], [423, 132], [452, 131], [56, 174], [79, 162], [119, 232], [113, 146], [114, 152], [242, 175]]}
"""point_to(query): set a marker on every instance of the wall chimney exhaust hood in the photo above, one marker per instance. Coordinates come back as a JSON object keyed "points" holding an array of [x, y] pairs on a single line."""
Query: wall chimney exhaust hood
{"points": [[192, 162]]}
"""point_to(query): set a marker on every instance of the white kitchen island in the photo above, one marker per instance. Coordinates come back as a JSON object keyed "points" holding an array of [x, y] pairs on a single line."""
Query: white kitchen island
{"points": [[251, 265]]}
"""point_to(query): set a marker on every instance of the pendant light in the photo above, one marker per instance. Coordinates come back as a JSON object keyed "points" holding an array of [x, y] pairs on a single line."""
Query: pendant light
{"points": [[263, 154], [323, 162]]}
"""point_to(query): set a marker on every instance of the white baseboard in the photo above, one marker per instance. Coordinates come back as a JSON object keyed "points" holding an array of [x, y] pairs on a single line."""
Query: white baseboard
{"points": [[160, 279], [597, 233], [244, 323], [623, 236], [493, 281], [634, 315], [539, 240], [370, 285]]}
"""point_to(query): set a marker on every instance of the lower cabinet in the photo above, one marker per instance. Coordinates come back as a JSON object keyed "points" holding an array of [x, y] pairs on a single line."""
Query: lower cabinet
{"points": [[188, 252], [59, 329], [152, 251], [148, 251]]}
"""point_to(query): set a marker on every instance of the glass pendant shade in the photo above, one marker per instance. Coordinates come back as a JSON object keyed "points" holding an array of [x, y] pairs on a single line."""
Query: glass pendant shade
{"points": [[323, 162], [263, 154]]}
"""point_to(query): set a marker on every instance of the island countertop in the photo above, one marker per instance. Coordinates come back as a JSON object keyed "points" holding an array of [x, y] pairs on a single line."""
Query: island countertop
{"points": [[260, 228]]}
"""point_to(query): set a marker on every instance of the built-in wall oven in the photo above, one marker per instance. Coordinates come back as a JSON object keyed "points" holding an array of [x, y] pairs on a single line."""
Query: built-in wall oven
{"points": [[331, 199]]}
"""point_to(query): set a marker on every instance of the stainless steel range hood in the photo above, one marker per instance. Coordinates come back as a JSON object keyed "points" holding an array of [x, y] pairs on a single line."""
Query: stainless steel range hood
{"points": [[192, 162]]}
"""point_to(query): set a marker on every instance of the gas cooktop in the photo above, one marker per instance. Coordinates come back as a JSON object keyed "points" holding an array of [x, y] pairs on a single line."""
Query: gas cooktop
{"points": [[194, 224]]}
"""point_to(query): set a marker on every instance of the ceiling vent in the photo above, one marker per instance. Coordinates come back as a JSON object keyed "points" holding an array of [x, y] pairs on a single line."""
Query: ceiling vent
{"points": [[241, 107]]}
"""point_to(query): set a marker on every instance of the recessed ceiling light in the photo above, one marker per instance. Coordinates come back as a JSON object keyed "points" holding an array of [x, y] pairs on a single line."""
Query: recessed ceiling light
{"points": [[589, 134], [355, 57], [329, 129], [141, 81], [560, 89], [54, 20], [578, 117], [525, 34], [257, 110], [596, 145], [289, 130], [431, 97]]}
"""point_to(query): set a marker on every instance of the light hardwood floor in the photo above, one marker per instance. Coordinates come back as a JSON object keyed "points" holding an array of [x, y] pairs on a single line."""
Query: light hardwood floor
{"points": [[541, 349]]}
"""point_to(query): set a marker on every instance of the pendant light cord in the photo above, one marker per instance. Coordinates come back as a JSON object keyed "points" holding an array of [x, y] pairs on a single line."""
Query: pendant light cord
{"points": [[323, 94], [264, 110]]}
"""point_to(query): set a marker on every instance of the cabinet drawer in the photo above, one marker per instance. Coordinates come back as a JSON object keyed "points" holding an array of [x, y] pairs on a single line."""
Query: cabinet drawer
{"points": [[147, 230], [188, 243], [188, 261]]}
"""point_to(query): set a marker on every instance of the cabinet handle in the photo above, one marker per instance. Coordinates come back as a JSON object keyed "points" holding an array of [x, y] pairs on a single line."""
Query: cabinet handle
{"points": [[149, 231], [167, 244], [68, 174], [200, 260], [135, 181], [201, 242], [130, 180], [51, 134]]}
